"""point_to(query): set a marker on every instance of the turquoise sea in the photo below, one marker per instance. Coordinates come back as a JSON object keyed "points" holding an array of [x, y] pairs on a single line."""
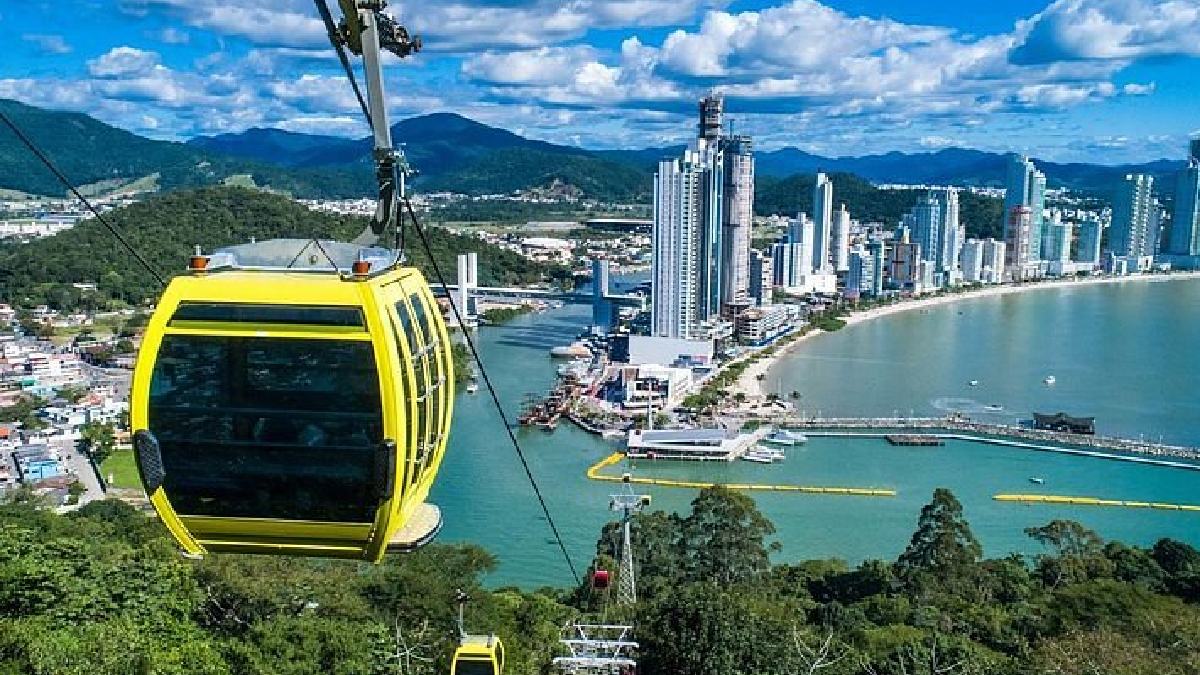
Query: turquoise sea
{"points": [[1127, 353]]}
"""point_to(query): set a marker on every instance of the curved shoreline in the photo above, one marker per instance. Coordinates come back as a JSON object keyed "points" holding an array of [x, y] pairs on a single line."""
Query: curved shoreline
{"points": [[749, 384]]}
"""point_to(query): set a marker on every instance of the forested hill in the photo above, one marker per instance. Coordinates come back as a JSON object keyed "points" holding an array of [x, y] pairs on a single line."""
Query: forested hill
{"points": [[166, 228], [101, 591], [867, 203], [89, 151]]}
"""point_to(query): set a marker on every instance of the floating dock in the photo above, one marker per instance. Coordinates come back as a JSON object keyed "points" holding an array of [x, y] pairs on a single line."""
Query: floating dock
{"points": [[593, 473], [1092, 501], [916, 440]]}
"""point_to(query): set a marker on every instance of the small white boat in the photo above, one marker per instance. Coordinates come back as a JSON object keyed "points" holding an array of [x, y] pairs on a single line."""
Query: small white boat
{"points": [[1036, 480], [757, 458], [785, 438], [974, 383], [994, 407], [1049, 381], [472, 387]]}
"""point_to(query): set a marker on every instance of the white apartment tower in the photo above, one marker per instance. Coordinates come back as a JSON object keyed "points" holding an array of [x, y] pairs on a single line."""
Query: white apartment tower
{"points": [[1133, 219], [841, 239], [1025, 186]]}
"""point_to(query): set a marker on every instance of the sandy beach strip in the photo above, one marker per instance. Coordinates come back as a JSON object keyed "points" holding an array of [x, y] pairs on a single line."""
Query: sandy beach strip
{"points": [[750, 385]]}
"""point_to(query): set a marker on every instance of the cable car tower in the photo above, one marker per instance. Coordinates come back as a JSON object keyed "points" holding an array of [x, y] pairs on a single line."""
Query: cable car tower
{"points": [[608, 649]]}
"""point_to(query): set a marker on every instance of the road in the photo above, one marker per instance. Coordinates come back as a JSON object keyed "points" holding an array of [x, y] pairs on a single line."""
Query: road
{"points": [[78, 465]]}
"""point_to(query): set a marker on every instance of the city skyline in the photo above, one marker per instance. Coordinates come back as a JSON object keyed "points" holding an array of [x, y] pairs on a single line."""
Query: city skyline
{"points": [[1086, 80]]}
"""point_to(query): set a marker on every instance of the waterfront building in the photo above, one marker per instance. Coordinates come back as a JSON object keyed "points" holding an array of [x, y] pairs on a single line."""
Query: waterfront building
{"points": [[762, 277], [1185, 225], [1018, 243], [763, 325], [878, 253], [792, 258], [926, 220], [686, 248], [1025, 186], [858, 274], [904, 266], [822, 222], [950, 231], [1087, 248], [738, 215], [994, 253], [1133, 220], [841, 239], [972, 261], [1056, 244]]}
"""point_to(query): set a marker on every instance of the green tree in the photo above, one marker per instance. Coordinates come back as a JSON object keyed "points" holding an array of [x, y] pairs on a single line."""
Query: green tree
{"points": [[1078, 553], [725, 537], [943, 546], [98, 440]]}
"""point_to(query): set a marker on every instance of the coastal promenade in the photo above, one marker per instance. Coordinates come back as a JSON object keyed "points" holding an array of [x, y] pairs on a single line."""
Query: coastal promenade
{"points": [[964, 428]]}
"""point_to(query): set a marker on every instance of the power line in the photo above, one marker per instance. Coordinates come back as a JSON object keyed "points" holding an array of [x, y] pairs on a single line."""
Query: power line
{"points": [[421, 234], [70, 186]]}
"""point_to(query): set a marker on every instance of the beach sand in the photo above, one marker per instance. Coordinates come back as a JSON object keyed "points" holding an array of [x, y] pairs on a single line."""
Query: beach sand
{"points": [[752, 387]]}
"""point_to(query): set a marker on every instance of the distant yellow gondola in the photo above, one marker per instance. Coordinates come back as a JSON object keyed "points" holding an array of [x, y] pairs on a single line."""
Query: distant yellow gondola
{"points": [[294, 398], [478, 655]]}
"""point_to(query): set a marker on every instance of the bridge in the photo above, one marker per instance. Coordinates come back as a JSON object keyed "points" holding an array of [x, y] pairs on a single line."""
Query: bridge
{"points": [[468, 293]]}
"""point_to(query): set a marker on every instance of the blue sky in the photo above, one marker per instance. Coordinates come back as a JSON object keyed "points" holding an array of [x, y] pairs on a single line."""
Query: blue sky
{"points": [[1077, 80]]}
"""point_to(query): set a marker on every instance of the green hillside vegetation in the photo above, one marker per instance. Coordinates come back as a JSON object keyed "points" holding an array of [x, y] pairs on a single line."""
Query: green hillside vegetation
{"points": [[103, 591], [506, 170], [866, 203], [91, 152], [165, 230]]}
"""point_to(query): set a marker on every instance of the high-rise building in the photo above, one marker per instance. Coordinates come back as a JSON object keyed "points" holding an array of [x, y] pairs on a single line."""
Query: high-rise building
{"points": [[1133, 219], [1185, 225], [738, 214], [993, 261], [950, 231], [858, 273], [1018, 236], [926, 219], [822, 222], [1056, 244], [686, 247], [972, 261], [762, 277], [712, 110], [1025, 186], [1087, 249], [905, 265], [878, 264], [841, 239], [792, 258]]}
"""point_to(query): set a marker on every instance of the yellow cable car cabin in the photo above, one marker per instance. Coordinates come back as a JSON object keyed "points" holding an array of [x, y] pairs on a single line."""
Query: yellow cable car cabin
{"points": [[290, 407], [478, 655]]}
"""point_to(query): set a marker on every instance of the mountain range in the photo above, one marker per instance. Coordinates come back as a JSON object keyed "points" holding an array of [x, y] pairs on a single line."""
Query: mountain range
{"points": [[454, 153]]}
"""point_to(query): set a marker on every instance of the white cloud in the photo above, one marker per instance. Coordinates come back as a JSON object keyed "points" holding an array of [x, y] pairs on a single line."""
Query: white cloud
{"points": [[1110, 29], [172, 36], [123, 62], [48, 44]]}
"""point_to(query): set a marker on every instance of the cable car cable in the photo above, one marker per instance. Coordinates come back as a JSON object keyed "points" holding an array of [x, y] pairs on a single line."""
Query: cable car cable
{"points": [[70, 186], [335, 40], [437, 272]]}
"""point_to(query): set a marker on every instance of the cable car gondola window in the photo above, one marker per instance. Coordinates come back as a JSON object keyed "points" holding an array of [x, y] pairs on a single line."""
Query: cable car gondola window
{"points": [[474, 667], [420, 345], [231, 312], [267, 427]]}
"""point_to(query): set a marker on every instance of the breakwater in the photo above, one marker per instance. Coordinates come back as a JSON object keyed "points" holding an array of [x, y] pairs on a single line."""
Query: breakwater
{"points": [[594, 470], [1092, 501]]}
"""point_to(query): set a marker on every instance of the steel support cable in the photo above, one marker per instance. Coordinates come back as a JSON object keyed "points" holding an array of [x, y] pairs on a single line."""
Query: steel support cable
{"points": [[28, 142], [331, 28], [441, 279]]}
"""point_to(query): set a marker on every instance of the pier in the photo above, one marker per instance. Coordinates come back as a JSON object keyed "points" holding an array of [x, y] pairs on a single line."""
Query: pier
{"points": [[959, 427], [915, 440], [593, 473]]}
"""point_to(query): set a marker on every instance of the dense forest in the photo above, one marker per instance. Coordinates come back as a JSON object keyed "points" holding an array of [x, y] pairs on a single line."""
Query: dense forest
{"points": [[165, 229], [981, 215], [102, 590]]}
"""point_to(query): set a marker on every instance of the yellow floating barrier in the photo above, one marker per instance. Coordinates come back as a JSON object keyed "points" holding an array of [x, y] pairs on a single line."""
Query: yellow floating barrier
{"points": [[594, 470], [1092, 501]]}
